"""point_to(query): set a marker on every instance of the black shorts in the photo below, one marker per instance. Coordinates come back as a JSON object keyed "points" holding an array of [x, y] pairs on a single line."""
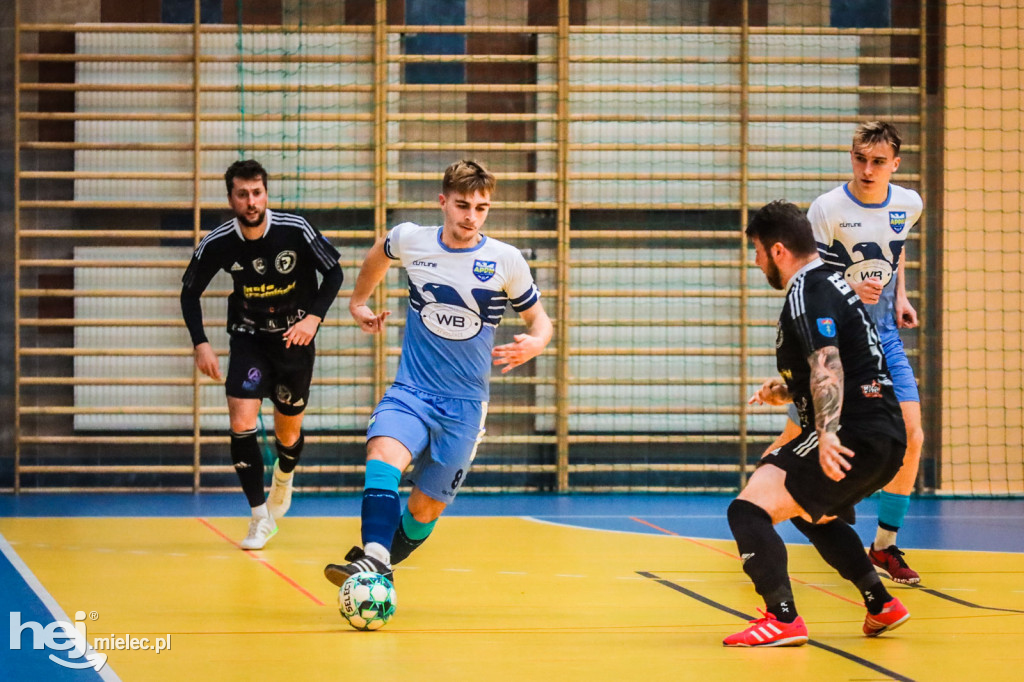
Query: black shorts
{"points": [[877, 458], [261, 367]]}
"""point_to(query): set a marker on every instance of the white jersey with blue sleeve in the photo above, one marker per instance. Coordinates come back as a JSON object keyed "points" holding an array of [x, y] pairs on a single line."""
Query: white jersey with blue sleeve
{"points": [[866, 240], [457, 298]]}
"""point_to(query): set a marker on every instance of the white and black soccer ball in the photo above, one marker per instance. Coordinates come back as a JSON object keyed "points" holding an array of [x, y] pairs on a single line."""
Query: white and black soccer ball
{"points": [[367, 601]]}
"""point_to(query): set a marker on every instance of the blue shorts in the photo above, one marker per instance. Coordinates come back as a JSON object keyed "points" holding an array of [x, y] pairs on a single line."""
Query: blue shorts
{"points": [[441, 433], [903, 380]]}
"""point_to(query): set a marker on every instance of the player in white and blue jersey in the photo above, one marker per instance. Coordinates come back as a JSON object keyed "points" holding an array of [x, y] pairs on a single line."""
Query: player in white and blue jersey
{"points": [[861, 229], [433, 415]]}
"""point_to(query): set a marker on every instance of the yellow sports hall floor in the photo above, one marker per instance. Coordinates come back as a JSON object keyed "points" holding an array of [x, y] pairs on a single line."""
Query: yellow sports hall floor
{"points": [[499, 598]]}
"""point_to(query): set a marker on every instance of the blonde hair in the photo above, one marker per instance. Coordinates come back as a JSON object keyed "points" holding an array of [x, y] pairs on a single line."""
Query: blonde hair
{"points": [[466, 177], [871, 133]]}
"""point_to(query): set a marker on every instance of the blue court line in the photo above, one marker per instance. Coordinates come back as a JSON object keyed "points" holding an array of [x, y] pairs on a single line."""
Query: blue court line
{"points": [[25, 596], [811, 642], [995, 525]]}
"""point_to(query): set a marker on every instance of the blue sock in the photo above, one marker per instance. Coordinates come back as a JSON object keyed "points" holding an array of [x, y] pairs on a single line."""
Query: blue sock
{"points": [[892, 510], [382, 511]]}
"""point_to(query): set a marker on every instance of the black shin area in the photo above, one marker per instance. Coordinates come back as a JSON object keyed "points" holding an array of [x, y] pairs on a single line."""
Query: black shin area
{"points": [[248, 461], [402, 545], [764, 557], [840, 546], [288, 457]]}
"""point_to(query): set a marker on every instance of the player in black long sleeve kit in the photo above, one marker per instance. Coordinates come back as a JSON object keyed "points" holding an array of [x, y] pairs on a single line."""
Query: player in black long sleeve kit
{"points": [[273, 315], [851, 443]]}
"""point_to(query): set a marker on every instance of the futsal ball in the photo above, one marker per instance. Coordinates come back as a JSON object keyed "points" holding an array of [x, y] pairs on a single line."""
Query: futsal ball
{"points": [[367, 601]]}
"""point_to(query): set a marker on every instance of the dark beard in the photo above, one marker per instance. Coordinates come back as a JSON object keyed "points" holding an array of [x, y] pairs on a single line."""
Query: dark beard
{"points": [[773, 275], [242, 219]]}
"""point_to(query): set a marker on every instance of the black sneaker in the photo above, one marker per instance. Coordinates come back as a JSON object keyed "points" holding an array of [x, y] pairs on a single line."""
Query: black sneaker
{"points": [[358, 562]]}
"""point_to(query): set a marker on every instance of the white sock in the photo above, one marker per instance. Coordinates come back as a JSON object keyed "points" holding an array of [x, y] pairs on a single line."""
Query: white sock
{"points": [[378, 552], [884, 538], [261, 512]]}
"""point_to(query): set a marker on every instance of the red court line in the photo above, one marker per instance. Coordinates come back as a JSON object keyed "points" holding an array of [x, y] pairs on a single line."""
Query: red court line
{"points": [[734, 556], [263, 561]]}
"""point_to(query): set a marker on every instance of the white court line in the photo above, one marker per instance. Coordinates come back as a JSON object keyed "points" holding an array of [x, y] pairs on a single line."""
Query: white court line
{"points": [[107, 673]]}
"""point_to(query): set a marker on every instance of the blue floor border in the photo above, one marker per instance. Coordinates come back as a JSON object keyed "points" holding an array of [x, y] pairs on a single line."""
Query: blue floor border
{"points": [[28, 603], [995, 525]]}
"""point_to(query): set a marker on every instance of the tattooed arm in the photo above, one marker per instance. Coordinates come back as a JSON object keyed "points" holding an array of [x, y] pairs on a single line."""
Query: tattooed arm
{"points": [[827, 395]]}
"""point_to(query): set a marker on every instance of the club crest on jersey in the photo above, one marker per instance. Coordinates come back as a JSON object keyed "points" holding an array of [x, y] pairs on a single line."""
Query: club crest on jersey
{"points": [[285, 262], [259, 265], [484, 269], [897, 220], [827, 326]]}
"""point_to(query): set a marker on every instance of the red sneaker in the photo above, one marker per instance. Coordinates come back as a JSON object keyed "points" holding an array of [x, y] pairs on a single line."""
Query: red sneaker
{"points": [[769, 631], [893, 615], [891, 561]]}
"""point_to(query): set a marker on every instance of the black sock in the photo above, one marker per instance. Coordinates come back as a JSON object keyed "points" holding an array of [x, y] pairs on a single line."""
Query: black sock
{"points": [[248, 461], [764, 557], [402, 545], [288, 456], [874, 592], [840, 546]]}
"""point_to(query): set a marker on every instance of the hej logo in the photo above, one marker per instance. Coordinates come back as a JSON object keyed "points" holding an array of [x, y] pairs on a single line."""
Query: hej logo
{"points": [[59, 636]]}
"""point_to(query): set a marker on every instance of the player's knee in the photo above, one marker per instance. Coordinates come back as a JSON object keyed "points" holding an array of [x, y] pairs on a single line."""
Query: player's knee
{"points": [[426, 510], [288, 435], [242, 424]]}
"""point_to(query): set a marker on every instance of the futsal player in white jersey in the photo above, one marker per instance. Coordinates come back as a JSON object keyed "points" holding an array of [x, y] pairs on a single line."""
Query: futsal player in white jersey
{"points": [[433, 415], [861, 228]]}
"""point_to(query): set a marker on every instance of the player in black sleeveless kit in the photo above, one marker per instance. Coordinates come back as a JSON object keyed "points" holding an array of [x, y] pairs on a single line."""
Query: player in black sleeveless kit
{"points": [[274, 312], [852, 436]]}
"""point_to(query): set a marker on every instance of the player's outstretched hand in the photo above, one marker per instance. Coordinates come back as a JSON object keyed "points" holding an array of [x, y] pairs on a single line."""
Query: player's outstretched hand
{"points": [[833, 456], [302, 332], [524, 349], [206, 361], [772, 392], [369, 322], [869, 290]]}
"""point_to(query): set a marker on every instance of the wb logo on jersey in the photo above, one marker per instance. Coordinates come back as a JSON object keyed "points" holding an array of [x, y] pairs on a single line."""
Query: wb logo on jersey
{"points": [[484, 269], [451, 322], [897, 220]]}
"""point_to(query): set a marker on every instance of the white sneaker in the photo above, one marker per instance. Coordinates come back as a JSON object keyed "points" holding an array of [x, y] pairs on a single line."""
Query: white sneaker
{"points": [[280, 498], [260, 531]]}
